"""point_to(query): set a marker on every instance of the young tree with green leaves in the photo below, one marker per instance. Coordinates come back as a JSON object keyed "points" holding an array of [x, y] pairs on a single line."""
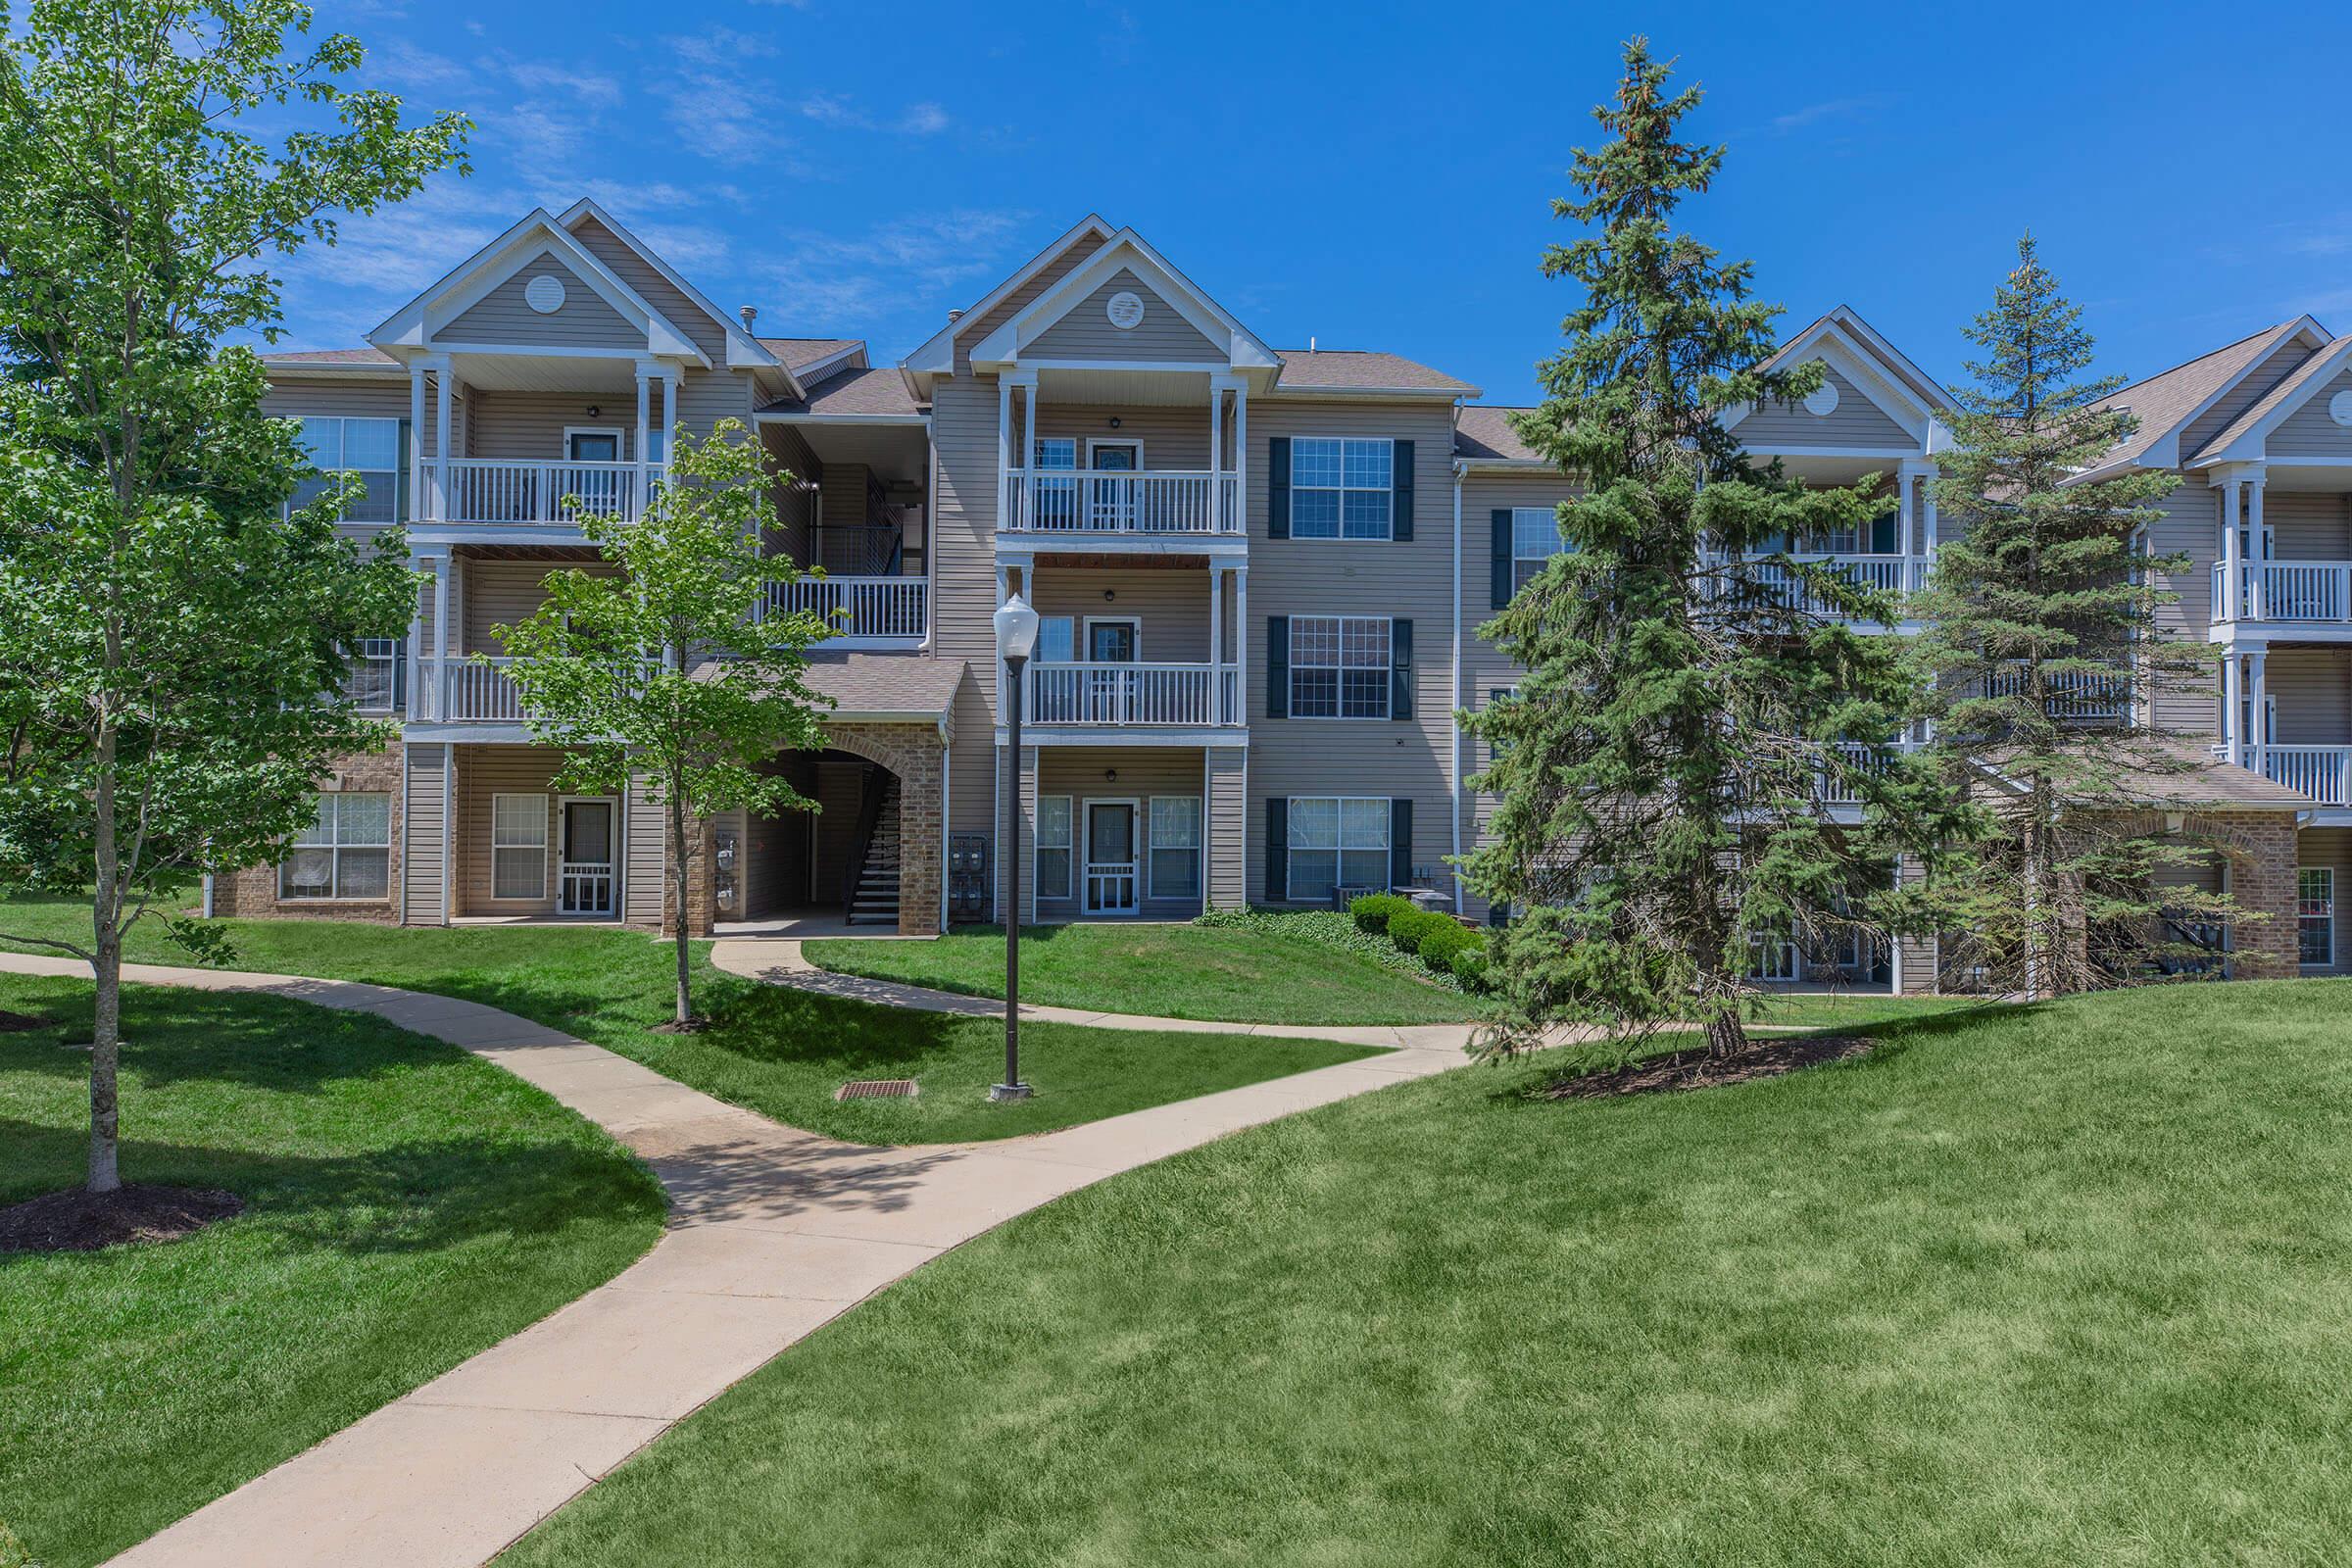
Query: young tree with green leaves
{"points": [[173, 637], [1689, 687], [2042, 639], [679, 670]]}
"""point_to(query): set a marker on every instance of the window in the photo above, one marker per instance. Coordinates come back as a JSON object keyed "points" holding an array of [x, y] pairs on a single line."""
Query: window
{"points": [[2315, 915], [519, 846], [1341, 489], [368, 684], [1056, 639], [1337, 843], [1057, 499], [1535, 540], [346, 852], [369, 448], [1340, 666], [1175, 826], [1053, 847]]}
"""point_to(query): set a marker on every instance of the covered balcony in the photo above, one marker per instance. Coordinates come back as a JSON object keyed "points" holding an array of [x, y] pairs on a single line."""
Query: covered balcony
{"points": [[1134, 651], [1124, 462]]}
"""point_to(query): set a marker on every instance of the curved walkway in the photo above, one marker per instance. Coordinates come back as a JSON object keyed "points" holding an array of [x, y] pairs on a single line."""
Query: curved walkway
{"points": [[773, 1231], [778, 960]]}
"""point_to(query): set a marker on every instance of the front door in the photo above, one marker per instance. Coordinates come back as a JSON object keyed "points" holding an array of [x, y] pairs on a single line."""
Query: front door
{"points": [[1113, 498], [585, 857], [1111, 869]]}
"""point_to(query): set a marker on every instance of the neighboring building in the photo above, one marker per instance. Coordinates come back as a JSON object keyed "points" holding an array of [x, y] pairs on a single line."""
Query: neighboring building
{"points": [[1262, 574]]}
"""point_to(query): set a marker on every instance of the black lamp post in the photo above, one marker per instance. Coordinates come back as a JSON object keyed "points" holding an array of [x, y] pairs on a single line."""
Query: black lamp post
{"points": [[1016, 640]]}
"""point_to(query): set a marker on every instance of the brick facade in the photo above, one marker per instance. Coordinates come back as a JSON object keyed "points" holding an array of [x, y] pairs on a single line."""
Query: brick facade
{"points": [[252, 892]]}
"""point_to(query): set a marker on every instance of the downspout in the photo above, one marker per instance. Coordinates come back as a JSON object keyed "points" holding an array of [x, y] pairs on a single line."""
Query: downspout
{"points": [[207, 895], [1454, 719]]}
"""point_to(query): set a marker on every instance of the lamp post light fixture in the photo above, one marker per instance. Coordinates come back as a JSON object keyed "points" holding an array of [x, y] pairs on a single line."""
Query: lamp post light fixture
{"points": [[1016, 640]]}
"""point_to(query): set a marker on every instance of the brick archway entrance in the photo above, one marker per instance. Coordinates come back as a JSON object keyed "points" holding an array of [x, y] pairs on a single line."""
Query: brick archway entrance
{"points": [[917, 755]]}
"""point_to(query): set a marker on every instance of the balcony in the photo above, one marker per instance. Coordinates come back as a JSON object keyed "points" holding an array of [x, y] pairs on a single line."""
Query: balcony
{"points": [[464, 691], [1112, 695], [1894, 576], [493, 491], [877, 612], [1144, 505], [2303, 593], [2074, 695], [2322, 772], [1875, 761]]}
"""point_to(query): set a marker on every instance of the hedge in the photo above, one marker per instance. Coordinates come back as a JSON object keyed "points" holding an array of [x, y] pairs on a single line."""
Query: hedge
{"points": [[1407, 927], [1373, 910]]}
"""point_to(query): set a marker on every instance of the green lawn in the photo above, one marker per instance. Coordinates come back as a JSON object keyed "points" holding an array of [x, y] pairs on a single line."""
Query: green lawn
{"points": [[778, 1052], [407, 1206], [2058, 1285], [1855, 1009], [1163, 971]]}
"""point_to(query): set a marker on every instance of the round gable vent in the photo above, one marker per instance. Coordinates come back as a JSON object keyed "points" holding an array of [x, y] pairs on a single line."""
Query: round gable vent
{"points": [[1125, 310], [544, 294], [2339, 407], [1822, 401]]}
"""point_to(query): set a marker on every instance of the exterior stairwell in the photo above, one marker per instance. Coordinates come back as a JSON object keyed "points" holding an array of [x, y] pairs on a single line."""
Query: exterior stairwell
{"points": [[874, 883]]}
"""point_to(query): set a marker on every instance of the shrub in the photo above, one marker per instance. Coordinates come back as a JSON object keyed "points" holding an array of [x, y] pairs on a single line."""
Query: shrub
{"points": [[1439, 947], [1374, 910], [1407, 927], [1470, 966], [1333, 929]]}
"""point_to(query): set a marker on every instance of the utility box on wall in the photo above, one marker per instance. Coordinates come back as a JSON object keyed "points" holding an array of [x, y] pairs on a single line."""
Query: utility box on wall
{"points": [[967, 877]]}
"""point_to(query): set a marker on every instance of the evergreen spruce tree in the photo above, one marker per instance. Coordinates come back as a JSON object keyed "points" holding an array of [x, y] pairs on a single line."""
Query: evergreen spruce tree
{"points": [[1689, 687], [2042, 639]]}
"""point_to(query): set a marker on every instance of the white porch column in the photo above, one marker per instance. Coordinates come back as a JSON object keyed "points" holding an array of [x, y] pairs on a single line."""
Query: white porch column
{"points": [[421, 702], [416, 506], [2232, 595], [441, 639], [1241, 638], [441, 454], [1241, 458], [1024, 491], [1216, 641], [670, 410], [2234, 692], [2258, 715], [2257, 553], [1905, 483], [644, 420], [1003, 460]]}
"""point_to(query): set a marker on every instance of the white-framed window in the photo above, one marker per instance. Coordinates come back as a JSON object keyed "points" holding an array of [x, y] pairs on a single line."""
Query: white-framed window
{"points": [[1056, 639], [1335, 841], [1057, 499], [369, 448], [1341, 488], [1535, 540], [2315, 915], [346, 852], [370, 681], [519, 846], [1175, 841], [1052, 860], [1340, 666]]}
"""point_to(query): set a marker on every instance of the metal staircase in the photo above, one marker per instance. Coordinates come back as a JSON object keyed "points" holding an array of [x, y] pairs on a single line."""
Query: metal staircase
{"points": [[873, 896]]}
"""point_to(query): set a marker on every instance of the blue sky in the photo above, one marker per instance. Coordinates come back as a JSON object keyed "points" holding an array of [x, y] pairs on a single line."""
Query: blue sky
{"points": [[1379, 176]]}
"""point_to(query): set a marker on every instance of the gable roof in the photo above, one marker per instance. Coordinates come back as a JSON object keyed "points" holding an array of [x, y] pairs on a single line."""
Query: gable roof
{"points": [[1483, 435], [938, 352], [744, 351], [866, 392], [1363, 370], [1126, 251], [1884, 373], [2167, 402], [803, 354], [2248, 433], [357, 360]]}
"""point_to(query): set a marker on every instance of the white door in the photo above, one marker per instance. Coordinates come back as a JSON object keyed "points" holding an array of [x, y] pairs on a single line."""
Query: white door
{"points": [[1110, 868], [1114, 487], [585, 857]]}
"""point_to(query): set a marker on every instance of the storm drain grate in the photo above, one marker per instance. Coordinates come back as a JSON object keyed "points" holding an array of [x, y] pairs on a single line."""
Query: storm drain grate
{"points": [[877, 1089]]}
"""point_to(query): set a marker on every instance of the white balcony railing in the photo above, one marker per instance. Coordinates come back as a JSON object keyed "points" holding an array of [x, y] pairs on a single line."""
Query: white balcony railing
{"points": [[2073, 694], [893, 607], [481, 490], [1887, 574], [1151, 695], [2322, 772], [2307, 592], [1152, 501], [462, 691], [1838, 789]]}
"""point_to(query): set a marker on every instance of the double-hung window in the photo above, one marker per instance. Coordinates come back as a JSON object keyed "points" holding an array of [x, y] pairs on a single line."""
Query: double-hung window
{"points": [[1535, 540], [369, 448], [1340, 666], [370, 681], [345, 852], [1341, 488], [1335, 841], [1057, 498], [1053, 846], [1175, 826], [2315, 915], [519, 846]]}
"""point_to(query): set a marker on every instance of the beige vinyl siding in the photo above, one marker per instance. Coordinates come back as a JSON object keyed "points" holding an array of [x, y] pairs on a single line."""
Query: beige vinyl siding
{"points": [[1173, 435], [963, 434], [1019, 300], [705, 398], [796, 491], [1227, 808], [1412, 579], [484, 771], [2251, 388], [2312, 690], [387, 399], [1171, 604], [530, 426], [1086, 332], [422, 817], [504, 593], [666, 298], [2331, 847], [1143, 773], [645, 851], [1857, 421], [504, 316], [2191, 525], [2309, 525], [2311, 431]]}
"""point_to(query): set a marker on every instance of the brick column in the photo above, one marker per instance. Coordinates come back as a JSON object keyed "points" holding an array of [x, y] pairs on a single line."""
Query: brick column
{"points": [[2262, 861]]}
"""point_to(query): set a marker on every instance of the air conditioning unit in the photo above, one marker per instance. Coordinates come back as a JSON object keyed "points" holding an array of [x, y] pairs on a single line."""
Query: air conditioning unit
{"points": [[1341, 898]]}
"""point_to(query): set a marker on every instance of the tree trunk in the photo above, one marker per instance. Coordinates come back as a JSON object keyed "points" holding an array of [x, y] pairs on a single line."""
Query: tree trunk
{"points": [[2040, 948], [680, 877], [1726, 1036], [106, 970]]}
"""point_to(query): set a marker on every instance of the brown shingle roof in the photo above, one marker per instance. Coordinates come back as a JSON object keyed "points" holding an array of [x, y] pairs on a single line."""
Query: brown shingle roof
{"points": [[2164, 402], [874, 390], [2298, 380], [1485, 435], [2182, 775], [881, 687], [327, 357], [1363, 370], [798, 352]]}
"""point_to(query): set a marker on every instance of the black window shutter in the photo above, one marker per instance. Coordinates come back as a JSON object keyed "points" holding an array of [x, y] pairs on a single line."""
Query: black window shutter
{"points": [[1278, 666], [1498, 915], [400, 676], [1278, 487], [1278, 849], [1401, 669], [1401, 514], [1502, 557], [1401, 844]]}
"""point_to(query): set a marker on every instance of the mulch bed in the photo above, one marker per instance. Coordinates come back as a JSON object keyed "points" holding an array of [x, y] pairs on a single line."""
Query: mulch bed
{"points": [[1696, 1070], [14, 1022], [77, 1220]]}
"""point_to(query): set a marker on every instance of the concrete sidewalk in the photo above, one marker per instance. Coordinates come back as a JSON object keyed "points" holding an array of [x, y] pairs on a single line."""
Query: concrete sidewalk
{"points": [[773, 1231]]}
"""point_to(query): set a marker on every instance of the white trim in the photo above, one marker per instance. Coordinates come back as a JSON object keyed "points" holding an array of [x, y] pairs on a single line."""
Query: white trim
{"points": [[563, 845], [1085, 638], [1128, 251], [743, 350], [1038, 846], [1094, 441], [621, 442], [2321, 371], [547, 847], [1083, 833], [1340, 523], [1388, 686], [912, 421], [1891, 383], [1453, 709], [937, 352], [1200, 850]]}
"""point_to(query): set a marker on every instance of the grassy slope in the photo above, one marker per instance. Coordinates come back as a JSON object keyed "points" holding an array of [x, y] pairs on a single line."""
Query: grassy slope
{"points": [[1164, 971], [780, 1052], [408, 1206], [2059, 1285]]}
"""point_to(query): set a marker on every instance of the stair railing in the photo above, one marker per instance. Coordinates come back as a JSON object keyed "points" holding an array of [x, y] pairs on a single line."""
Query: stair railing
{"points": [[869, 819]]}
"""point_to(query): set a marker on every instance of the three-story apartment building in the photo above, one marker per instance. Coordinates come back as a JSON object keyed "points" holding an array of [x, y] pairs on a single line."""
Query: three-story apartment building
{"points": [[1261, 573]]}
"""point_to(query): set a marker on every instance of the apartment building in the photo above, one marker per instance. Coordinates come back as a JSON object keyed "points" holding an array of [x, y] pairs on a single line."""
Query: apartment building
{"points": [[1261, 573]]}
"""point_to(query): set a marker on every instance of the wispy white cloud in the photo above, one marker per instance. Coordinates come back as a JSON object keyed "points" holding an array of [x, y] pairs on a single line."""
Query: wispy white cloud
{"points": [[712, 96], [924, 120], [1828, 109], [892, 274], [839, 108], [834, 109]]}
